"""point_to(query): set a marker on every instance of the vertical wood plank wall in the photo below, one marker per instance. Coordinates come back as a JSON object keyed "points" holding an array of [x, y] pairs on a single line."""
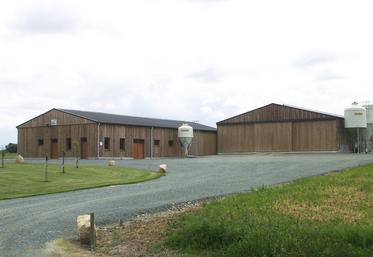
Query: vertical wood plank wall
{"points": [[28, 140], [280, 136], [276, 112], [204, 143]]}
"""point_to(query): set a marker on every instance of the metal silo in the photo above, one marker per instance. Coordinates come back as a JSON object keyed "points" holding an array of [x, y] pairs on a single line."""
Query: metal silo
{"points": [[369, 131], [356, 118], [185, 135]]}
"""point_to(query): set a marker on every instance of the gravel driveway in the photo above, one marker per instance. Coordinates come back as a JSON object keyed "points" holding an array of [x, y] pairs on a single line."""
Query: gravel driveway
{"points": [[26, 224]]}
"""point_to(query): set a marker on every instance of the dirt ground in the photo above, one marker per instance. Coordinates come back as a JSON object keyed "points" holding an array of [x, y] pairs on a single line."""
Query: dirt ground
{"points": [[139, 237]]}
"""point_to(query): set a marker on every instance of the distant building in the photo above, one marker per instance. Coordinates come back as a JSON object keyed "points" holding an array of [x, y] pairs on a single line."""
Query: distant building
{"points": [[95, 135], [281, 128]]}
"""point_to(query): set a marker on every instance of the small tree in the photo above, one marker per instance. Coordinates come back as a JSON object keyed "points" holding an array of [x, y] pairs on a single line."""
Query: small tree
{"points": [[2, 156], [76, 152], [63, 162], [11, 148]]}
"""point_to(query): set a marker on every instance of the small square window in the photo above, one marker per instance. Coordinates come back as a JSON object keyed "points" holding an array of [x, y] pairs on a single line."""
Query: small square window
{"points": [[68, 144], [122, 144], [156, 142], [40, 142], [107, 143], [170, 143]]}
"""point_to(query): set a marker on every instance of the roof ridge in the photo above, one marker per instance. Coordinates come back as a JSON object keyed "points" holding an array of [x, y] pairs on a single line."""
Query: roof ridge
{"points": [[311, 110], [284, 105]]}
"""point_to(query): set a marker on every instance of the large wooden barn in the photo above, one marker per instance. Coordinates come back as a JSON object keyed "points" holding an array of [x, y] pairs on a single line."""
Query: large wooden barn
{"points": [[281, 128], [96, 135]]}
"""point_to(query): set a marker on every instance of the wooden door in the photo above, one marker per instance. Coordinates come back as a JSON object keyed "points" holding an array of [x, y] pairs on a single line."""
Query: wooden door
{"points": [[54, 148], [156, 151], [83, 148], [138, 149]]}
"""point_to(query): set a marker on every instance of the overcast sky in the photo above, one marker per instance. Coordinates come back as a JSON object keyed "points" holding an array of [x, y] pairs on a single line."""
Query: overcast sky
{"points": [[200, 60]]}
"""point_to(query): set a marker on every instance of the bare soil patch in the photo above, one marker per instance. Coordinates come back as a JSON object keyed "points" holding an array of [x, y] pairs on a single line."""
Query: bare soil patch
{"points": [[139, 237]]}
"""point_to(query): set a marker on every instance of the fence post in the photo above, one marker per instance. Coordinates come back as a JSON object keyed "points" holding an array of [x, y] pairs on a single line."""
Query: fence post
{"points": [[77, 163], [2, 158], [63, 162], [93, 232], [46, 169]]}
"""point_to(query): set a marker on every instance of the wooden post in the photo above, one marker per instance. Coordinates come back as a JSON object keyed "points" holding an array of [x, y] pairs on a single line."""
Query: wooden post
{"points": [[92, 232], [63, 162], [46, 169], [2, 158]]}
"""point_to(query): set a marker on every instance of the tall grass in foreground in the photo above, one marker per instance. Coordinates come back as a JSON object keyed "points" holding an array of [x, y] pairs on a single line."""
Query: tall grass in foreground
{"points": [[320, 216]]}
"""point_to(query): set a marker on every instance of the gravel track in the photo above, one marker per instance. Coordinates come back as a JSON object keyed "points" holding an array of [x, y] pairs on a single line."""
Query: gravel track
{"points": [[26, 224]]}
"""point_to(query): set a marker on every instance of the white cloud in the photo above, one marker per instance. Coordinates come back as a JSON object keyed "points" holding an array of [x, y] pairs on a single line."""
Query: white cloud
{"points": [[45, 19], [187, 59]]}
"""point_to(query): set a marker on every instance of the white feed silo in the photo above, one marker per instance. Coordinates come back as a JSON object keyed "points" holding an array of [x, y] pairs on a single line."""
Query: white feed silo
{"points": [[369, 132], [185, 135], [356, 118]]}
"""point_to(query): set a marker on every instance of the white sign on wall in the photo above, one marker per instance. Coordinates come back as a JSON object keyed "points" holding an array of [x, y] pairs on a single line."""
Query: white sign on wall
{"points": [[53, 122]]}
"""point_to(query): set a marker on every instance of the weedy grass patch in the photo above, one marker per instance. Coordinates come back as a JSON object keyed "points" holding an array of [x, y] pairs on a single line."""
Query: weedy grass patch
{"points": [[320, 216]]}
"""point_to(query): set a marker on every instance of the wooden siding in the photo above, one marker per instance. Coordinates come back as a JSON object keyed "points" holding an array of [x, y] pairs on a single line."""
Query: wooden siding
{"points": [[315, 136], [280, 136], [61, 117], [204, 143], [28, 139], [276, 112], [273, 137]]}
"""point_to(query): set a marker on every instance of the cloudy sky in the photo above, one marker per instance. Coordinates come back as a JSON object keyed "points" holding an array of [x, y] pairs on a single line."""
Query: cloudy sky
{"points": [[200, 60]]}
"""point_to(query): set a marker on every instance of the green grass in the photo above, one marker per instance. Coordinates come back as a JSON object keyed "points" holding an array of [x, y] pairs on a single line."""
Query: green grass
{"points": [[20, 180], [10, 156], [319, 216]]}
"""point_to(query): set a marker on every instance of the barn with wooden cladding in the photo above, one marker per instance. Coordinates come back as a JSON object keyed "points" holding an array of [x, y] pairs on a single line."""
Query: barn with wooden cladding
{"points": [[95, 135], [281, 128]]}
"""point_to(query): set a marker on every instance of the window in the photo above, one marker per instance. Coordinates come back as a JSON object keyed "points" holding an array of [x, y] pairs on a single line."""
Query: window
{"points": [[40, 142], [122, 144], [107, 143], [68, 144], [170, 143], [156, 142]]}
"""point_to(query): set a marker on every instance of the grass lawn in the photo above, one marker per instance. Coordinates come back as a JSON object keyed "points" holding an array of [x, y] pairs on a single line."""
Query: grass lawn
{"points": [[19, 180], [320, 216], [10, 156]]}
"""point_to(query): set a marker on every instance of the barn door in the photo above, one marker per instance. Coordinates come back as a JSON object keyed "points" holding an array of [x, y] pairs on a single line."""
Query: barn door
{"points": [[138, 149], [156, 151], [83, 148], [54, 148]]}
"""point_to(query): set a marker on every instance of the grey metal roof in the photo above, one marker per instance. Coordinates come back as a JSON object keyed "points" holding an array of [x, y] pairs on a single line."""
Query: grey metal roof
{"points": [[134, 121], [285, 105]]}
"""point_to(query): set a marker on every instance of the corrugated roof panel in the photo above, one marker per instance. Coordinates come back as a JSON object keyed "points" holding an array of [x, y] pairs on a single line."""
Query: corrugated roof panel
{"points": [[135, 121]]}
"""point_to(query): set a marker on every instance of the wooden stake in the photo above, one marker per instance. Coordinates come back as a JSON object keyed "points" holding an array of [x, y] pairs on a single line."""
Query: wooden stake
{"points": [[92, 232], [46, 169], [77, 163], [63, 162], [2, 158]]}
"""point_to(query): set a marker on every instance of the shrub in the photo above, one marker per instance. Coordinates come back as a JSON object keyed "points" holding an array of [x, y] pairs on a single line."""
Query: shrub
{"points": [[11, 148]]}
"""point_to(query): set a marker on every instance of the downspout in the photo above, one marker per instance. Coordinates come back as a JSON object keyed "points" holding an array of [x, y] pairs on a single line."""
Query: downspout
{"points": [[98, 141], [151, 143]]}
